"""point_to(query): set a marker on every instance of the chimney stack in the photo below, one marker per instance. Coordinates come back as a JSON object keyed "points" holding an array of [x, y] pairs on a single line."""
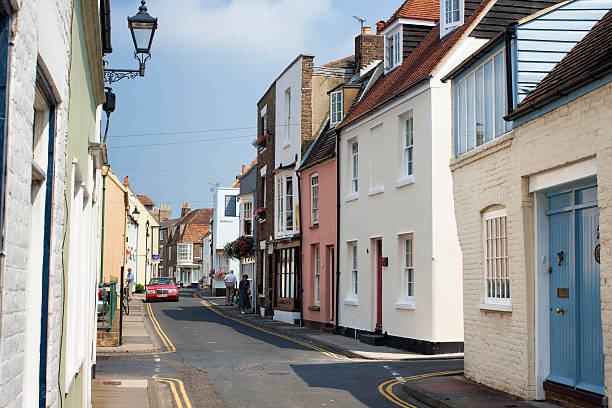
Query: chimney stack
{"points": [[126, 181], [368, 48], [185, 210]]}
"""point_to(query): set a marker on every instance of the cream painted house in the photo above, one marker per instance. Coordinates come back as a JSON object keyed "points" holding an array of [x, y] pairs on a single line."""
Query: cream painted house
{"points": [[532, 203]]}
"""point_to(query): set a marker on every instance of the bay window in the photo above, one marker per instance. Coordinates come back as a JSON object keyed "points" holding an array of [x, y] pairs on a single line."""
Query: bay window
{"points": [[285, 273], [285, 221], [480, 105], [185, 254]]}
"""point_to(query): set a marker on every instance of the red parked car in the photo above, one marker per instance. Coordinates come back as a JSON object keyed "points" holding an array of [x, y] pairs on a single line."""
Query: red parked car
{"points": [[161, 289]]}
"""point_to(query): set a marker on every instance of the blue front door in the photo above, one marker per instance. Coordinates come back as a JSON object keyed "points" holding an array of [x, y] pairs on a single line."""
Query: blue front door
{"points": [[576, 345]]}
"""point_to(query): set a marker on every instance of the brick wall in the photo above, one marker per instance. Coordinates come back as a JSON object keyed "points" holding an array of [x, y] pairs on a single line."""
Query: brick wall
{"points": [[22, 70], [265, 158], [368, 48], [307, 135], [499, 346]]}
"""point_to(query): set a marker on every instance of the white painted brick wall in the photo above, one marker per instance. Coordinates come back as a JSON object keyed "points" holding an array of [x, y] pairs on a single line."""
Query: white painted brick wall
{"points": [[499, 347], [24, 56]]}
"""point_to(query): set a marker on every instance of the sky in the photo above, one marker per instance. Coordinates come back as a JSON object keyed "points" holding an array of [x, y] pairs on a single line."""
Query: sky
{"points": [[189, 122]]}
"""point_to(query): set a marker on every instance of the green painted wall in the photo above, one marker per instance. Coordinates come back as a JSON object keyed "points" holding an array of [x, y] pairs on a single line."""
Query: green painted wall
{"points": [[81, 130]]}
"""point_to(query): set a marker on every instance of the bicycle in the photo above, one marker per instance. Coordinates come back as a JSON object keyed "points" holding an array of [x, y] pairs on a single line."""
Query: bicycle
{"points": [[125, 302]]}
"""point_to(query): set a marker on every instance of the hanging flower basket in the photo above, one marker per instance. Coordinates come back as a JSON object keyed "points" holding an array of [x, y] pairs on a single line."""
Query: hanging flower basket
{"points": [[242, 247], [260, 213], [260, 142]]}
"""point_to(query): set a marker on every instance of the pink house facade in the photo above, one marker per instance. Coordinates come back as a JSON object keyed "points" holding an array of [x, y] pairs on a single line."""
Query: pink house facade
{"points": [[318, 219]]}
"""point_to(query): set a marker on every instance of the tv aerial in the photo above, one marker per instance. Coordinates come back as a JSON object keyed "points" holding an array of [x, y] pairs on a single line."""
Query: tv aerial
{"points": [[361, 21]]}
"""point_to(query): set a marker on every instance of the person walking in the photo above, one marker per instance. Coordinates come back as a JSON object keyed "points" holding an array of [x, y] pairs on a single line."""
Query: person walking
{"points": [[244, 290], [230, 287], [130, 281]]}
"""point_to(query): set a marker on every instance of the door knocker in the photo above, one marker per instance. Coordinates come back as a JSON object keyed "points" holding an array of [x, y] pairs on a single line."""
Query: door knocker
{"points": [[560, 255]]}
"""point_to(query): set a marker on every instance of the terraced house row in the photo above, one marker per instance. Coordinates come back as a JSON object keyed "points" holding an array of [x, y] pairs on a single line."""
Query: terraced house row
{"points": [[447, 189]]}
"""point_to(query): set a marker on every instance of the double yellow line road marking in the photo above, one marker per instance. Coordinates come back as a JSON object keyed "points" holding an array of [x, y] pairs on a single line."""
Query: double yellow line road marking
{"points": [[216, 310], [386, 388], [167, 343], [178, 391]]}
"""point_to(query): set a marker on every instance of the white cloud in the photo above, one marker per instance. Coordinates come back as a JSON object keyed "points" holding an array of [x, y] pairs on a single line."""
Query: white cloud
{"points": [[262, 28]]}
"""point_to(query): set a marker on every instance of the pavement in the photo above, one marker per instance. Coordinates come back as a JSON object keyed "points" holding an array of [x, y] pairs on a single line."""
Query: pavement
{"points": [[132, 391], [136, 337], [347, 346], [456, 391]]}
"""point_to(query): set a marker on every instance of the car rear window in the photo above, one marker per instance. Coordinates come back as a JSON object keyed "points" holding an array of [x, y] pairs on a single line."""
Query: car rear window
{"points": [[158, 281]]}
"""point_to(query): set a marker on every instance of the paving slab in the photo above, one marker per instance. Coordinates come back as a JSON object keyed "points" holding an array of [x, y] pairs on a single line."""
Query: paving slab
{"points": [[456, 391]]}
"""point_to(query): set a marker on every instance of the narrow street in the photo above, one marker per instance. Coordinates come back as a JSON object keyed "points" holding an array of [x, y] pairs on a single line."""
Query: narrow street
{"points": [[223, 361]]}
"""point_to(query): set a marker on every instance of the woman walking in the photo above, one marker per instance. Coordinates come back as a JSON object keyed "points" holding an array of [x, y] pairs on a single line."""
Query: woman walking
{"points": [[244, 289]]}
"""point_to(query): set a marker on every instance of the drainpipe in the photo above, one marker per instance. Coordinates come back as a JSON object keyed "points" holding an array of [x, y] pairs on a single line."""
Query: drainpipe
{"points": [[126, 212], [336, 317], [104, 173], [299, 214]]}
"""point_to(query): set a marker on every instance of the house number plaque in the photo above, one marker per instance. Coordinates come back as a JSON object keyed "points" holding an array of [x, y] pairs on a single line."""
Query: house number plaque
{"points": [[563, 292]]}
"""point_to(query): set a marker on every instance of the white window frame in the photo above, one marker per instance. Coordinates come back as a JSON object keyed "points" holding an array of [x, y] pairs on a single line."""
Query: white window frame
{"points": [[335, 107], [409, 271], [184, 254], [285, 205], [466, 133], [317, 274], [314, 199], [279, 205], [408, 147], [495, 253], [452, 14], [287, 114], [354, 260], [246, 214], [393, 49], [288, 199], [354, 166]]}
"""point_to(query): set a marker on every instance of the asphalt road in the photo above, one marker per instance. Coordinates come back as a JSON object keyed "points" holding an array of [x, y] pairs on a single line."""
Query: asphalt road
{"points": [[225, 363]]}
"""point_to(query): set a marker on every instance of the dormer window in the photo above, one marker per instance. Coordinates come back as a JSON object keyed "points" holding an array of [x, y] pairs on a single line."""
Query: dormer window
{"points": [[335, 108], [451, 16], [393, 49]]}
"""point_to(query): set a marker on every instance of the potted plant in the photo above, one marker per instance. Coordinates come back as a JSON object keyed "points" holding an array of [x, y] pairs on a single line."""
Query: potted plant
{"points": [[260, 213], [260, 142], [242, 247]]}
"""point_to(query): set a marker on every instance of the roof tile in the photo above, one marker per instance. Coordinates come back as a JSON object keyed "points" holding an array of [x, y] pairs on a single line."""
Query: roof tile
{"points": [[417, 10], [419, 65]]}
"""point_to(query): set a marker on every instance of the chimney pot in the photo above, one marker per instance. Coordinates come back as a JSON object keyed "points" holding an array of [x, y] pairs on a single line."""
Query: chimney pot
{"points": [[379, 27], [367, 30], [126, 181]]}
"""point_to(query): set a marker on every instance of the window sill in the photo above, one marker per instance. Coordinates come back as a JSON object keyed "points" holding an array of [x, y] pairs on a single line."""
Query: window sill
{"points": [[405, 304], [483, 150], [351, 302], [314, 308], [495, 307], [314, 226], [351, 197], [376, 190], [404, 182]]}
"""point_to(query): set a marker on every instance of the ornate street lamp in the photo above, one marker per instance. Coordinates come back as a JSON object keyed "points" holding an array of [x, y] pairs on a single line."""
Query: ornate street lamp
{"points": [[135, 214], [142, 26]]}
